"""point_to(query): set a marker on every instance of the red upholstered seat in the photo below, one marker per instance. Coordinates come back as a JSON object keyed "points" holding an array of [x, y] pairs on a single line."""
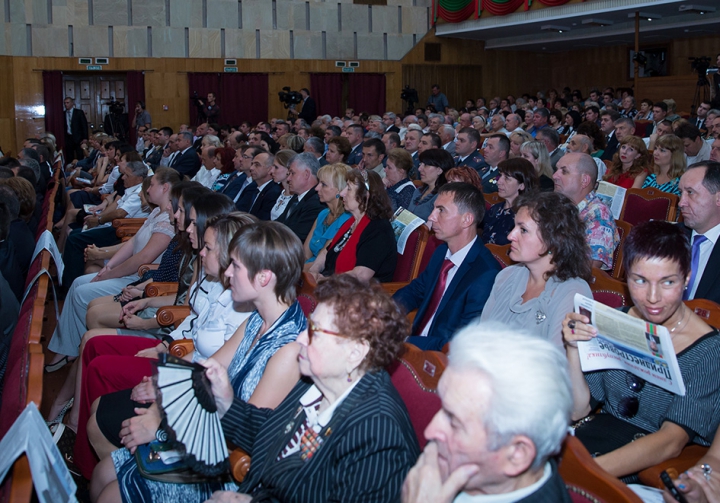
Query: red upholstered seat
{"points": [[642, 205], [641, 127], [609, 291], [500, 252], [408, 262], [618, 271], [430, 248], [305, 294], [14, 383], [416, 375]]}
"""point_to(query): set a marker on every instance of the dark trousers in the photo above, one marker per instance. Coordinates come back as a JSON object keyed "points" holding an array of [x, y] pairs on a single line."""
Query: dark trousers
{"points": [[74, 254], [72, 150]]}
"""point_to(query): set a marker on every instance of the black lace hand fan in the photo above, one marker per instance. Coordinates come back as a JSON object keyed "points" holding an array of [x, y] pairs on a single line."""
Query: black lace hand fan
{"points": [[186, 399]]}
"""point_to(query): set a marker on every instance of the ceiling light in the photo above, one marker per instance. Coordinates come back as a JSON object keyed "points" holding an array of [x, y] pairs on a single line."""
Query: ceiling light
{"points": [[555, 28], [695, 8], [593, 21], [645, 15]]}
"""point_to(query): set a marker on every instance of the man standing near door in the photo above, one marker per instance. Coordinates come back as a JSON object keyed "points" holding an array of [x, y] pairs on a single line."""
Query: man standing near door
{"points": [[76, 130]]}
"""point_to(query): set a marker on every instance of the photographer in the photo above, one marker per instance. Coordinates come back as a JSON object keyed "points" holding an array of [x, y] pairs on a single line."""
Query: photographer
{"points": [[308, 112], [210, 109], [141, 118]]}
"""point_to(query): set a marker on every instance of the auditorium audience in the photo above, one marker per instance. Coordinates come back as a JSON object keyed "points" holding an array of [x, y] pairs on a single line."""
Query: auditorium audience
{"points": [[668, 165], [332, 181], [397, 178], [640, 424], [630, 164], [453, 288], [575, 179], [279, 172], [486, 441], [434, 163], [305, 205], [145, 247], [364, 246], [352, 335], [517, 177], [552, 266], [536, 153]]}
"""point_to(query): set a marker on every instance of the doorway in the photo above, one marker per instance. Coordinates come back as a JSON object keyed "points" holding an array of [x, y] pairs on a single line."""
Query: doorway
{"points": [[99, 94]]}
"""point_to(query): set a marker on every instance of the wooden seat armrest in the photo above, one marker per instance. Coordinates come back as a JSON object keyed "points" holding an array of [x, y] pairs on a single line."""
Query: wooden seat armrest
{"points": [[123, 222], [394, 286], [688, 458], [181, 347], [239, 464], [159, 288], [147, 267], [172, 315], [127, 231]]}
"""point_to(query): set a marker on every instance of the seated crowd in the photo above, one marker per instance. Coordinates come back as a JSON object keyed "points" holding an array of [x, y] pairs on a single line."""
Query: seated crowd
{"points": [[236, 218]]}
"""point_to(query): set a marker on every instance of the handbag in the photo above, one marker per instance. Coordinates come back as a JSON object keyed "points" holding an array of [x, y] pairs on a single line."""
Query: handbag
{"points": [[602, 433]]}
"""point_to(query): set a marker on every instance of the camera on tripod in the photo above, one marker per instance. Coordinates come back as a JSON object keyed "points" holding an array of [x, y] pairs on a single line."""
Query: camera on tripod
{"points": [[411, 96], [116, 107], [289, 98]]}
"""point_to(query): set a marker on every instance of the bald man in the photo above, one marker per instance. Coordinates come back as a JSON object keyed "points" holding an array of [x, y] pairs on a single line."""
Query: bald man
{"points": [[575, 178]]}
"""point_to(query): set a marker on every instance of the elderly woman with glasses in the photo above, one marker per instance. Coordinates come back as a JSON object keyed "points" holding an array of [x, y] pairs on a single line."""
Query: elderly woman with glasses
{"points": [[639, 424]]}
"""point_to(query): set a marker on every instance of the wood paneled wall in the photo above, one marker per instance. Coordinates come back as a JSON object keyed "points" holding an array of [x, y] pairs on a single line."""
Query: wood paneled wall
{"points": [[499, 73]]}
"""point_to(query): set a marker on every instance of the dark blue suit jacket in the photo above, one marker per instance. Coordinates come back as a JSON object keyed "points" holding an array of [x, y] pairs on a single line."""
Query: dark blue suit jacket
{"points": [[187, 163], [265, 200], [355, 155], [463, 300]]}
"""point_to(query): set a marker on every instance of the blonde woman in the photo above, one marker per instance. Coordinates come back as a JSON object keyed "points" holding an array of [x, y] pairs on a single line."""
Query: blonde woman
{"points": [[536, 152], [669, 164]]}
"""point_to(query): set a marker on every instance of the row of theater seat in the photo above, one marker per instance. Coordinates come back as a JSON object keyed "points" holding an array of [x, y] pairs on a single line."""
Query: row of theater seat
{"points": [[23, 381]]}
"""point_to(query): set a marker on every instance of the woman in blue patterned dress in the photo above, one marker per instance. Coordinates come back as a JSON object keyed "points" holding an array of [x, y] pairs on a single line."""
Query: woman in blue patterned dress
{"points": [[669, 164], [266, 261]]}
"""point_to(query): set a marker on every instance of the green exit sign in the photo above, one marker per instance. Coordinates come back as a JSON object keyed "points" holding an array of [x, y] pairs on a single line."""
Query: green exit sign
{"points": [[230, 69], [94, 67], [347, 69]]}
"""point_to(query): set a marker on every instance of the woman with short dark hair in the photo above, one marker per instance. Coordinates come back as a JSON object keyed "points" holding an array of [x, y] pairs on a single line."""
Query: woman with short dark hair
{"points": [[553, 264], [434, 163], [640, 424], [517, 177]]}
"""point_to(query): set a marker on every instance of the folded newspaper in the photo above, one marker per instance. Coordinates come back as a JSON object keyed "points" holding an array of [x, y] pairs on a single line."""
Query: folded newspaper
{"points": [[628, 343], [404, 223], [613, 196]]}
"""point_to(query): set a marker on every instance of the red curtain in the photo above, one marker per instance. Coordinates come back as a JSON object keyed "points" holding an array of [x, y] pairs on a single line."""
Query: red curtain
{"points": [[326, 89], [243, 97], [135, 88], [53, 96], [202, 84], [366, 92]]}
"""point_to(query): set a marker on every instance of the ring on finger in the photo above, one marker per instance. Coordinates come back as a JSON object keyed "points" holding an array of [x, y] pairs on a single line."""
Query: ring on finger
{"points": [[706, 470], [571, 325]]}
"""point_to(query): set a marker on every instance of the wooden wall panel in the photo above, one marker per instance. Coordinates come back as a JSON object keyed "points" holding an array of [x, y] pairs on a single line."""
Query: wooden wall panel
{"points": [[500, 73]]}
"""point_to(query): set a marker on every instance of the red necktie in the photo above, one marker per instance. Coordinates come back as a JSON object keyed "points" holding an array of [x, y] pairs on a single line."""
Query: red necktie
{"points": [[436, 295]]}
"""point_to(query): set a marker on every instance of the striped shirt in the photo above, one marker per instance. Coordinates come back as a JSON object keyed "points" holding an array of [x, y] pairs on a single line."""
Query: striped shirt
{"points": [[698, 412]]}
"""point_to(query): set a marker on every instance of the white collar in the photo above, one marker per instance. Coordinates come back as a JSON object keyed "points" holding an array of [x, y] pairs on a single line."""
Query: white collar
{"points": [[712, 234], [313, 396], [507, 497], [458, 257]]}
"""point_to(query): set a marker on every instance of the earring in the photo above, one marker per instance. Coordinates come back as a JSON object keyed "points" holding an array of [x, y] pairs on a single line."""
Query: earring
{"points": [[349, 379], [337, 196]]}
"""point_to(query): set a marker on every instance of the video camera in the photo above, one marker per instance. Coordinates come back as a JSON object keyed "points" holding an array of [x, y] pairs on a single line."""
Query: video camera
{"points": [[411, 96], [289, 98], [116, 107]]}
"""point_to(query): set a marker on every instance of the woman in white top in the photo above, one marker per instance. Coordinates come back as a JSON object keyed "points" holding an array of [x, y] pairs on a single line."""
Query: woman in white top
{"points": [[143, 248], [279, 173]]}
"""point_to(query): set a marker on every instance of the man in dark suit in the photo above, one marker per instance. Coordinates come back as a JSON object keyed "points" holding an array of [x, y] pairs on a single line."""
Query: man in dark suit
{"points": [[308, 111], [355, 135], [240, 187], [485, 439], [607, 126], [700, 208], [76, 130], [186, 161], [452, 290], [303, 208], [268, 190]]}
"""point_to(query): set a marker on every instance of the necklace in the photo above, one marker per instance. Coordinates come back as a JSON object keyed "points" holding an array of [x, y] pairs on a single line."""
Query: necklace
{"points": [[677, 325]]}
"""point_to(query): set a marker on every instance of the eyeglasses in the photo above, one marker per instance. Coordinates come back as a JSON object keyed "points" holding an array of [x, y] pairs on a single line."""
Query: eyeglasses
{"points": [[629, 405], [312, 328]]}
